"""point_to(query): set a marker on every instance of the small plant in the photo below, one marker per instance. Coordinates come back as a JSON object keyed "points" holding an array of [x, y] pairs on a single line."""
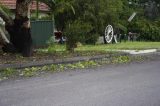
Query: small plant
{"points": [[121, 59], [29, 72], [45, 68], [79, 65], [7, 73], [70, 66], [61, 67], [53, 68]]}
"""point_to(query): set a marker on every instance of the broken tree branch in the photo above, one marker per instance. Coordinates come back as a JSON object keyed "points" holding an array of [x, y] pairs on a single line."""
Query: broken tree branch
{"points": [[8, 20]]}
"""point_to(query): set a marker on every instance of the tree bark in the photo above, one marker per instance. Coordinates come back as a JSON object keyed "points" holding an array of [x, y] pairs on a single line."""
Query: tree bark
{"points": [[20, 35], [22, 8]]}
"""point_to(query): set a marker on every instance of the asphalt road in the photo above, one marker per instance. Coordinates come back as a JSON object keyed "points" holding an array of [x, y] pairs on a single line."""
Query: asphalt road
{"points": [[136, 84]]}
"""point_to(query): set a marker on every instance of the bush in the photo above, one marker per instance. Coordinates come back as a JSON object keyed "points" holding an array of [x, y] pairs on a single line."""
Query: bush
{"points": [[91, 38], [76, 32], [150, 35], [149, 31]]}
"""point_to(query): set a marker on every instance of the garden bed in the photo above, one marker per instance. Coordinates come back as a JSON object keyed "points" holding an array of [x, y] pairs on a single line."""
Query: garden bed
{"points": [[6, 58]]}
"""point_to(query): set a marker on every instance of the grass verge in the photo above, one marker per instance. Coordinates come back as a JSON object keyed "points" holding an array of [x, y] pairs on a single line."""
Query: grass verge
{"points": [[106, 47], [54, 68]]}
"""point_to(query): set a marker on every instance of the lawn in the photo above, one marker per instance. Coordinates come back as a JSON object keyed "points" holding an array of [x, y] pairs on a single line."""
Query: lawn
{"points": [[110, 47], [57, 51]]}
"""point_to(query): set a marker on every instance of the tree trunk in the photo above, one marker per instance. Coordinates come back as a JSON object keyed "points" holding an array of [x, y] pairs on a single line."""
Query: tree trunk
{"points": [[22, 8], [20, 35]]}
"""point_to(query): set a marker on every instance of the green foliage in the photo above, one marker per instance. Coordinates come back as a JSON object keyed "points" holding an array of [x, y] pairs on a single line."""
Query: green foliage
{"points": [[122, 27], [121, 46], [91, 38], [29, 72], [35, 71], [121, 59], [5, 73], [76, 32], [53, 48], [148, 30], [81, 65], [98, 14], [5, 9], [61, 11], [53, 68]]}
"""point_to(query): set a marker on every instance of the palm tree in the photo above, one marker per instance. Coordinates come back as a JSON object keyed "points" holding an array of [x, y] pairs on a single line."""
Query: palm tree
{"points": [[58, 8]]}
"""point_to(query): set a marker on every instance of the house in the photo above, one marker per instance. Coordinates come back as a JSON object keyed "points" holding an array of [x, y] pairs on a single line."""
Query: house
{"points": [[11, 4], [43, 8]]}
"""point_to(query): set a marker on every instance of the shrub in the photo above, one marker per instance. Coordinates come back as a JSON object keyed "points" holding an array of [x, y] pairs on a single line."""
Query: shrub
{"points": [[76, 32], [149, 31], [91, 38]]}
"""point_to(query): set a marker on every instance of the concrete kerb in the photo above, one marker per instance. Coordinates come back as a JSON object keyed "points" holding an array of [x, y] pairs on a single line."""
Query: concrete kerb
{"points": [[70, 60], [57, 61], [136, 52]]}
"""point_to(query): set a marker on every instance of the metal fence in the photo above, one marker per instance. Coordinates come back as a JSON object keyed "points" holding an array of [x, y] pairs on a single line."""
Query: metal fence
{"points": [[41, 32]]}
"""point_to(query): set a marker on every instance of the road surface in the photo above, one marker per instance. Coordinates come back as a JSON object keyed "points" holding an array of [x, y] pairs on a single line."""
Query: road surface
{"points": [[135, 84]]}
